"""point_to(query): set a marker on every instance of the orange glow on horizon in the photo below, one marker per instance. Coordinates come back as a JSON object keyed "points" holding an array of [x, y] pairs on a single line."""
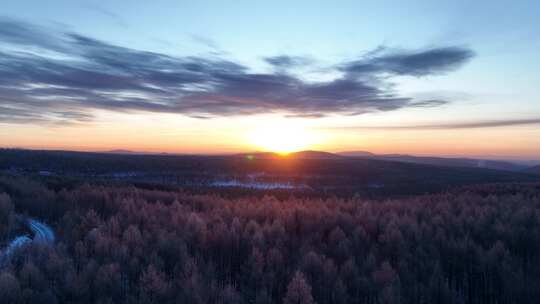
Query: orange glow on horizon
{"points": [[157, 133]]}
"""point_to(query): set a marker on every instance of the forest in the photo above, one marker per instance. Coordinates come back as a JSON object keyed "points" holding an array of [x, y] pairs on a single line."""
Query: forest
{"points": [[123, 244]]}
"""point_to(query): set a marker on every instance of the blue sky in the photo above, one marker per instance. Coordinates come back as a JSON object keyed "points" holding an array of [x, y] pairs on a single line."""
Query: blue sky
{"points": [[493, 78]]}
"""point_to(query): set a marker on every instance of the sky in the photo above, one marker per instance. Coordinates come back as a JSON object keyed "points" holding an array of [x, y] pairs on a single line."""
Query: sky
{"points": [[447, 78]]}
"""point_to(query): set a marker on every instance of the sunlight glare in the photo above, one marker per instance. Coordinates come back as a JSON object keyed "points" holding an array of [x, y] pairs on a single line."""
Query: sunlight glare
{"points": [[282, 138]]}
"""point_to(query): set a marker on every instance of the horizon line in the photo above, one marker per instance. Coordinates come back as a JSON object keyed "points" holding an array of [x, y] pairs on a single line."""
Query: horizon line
{"points": [[232, 153]]}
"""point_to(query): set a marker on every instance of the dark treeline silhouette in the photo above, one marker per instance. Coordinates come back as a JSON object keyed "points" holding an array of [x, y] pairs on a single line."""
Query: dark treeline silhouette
{"points": [[131, 245]]}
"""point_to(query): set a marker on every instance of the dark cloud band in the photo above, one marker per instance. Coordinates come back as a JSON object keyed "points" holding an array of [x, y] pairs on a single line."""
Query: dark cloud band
{"points": [[449, 126], [47, 75], [417, 63]]}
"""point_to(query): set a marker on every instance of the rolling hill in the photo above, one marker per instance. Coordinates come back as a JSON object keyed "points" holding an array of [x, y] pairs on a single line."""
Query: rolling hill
{"points": [[441, 161]]}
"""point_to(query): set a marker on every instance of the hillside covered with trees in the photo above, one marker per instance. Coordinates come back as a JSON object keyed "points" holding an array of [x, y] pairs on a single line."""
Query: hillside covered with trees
{"points": [[121, 244]]}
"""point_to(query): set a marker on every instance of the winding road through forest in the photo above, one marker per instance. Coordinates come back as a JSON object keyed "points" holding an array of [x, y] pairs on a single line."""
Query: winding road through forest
{"points": [[43, 234]]}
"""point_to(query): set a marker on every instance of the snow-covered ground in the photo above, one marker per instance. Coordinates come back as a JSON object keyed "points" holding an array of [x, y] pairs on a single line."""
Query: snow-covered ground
{"points": [[256, 185], [43, 234]]}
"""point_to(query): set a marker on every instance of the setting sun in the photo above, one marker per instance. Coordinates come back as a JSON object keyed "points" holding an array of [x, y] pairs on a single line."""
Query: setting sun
{"points": [[282, 138]]}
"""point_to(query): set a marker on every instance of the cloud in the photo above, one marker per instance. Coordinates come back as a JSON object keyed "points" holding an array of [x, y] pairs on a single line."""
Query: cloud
{"points": [[24, 34], [285, 61], [106, 13], [205, 41], [454, 125], [63, 76], [413, 63], [320, 115], [429, 103]]}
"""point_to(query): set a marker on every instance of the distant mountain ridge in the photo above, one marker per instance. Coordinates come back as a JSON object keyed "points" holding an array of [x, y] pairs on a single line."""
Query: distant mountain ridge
{"points": [[121, 151], [311, 154], [425, 160], [442, 161], [405, 158], [356, 153], [131, 152]]}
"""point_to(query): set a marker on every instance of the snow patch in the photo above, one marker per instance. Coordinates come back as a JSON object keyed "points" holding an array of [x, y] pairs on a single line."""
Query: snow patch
{"points": [[256, 185]]}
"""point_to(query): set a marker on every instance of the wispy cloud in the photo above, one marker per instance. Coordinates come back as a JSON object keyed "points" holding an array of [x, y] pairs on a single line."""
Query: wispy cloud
{"points": [[43, 73], [286, 61], [205, 41], [106, 13], [416, 63], [445, 126]]}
